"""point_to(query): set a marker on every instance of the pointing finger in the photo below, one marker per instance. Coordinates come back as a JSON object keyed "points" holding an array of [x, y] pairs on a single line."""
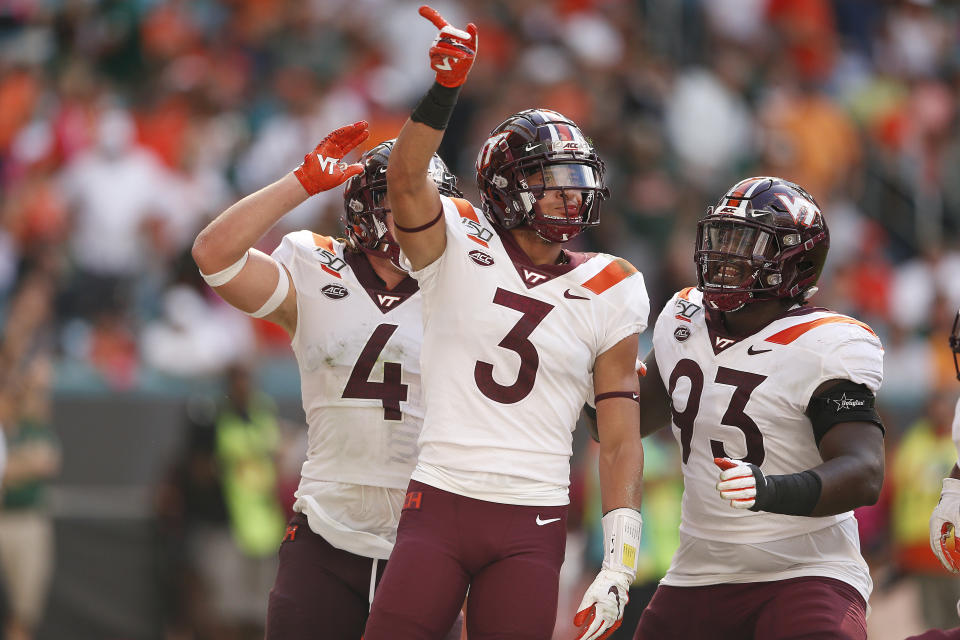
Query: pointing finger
{"points": [[433, 16]]}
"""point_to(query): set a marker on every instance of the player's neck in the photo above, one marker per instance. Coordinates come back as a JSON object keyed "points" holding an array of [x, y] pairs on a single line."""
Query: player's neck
{"points": [[754, 316], [537, 249], [388, 272]]}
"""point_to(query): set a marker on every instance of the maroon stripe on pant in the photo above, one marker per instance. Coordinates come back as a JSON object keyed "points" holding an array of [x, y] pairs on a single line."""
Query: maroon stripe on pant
{"points": [[509, 555], [809, 607]]}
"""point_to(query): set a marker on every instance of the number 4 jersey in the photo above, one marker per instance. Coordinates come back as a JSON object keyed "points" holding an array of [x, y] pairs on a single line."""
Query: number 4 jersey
{"points": [[508, 358], [357, 345]]}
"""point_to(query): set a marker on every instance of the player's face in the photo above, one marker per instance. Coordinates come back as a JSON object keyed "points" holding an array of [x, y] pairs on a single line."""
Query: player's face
{"points": [[740, 246], [559, 189]]}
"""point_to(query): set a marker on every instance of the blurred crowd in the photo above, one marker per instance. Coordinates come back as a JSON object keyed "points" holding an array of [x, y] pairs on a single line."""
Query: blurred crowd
{"points": [[126, 125]]}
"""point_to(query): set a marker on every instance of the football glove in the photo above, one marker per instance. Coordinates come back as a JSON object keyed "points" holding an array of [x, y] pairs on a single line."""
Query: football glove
{"points": [[323, 169], [453, 50], [739, 482], [943, 523], [601, 611]]}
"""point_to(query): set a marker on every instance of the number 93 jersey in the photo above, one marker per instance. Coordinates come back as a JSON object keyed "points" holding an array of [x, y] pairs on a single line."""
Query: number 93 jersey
{"points": [[746, 398], [508, 356], [357, 345]]}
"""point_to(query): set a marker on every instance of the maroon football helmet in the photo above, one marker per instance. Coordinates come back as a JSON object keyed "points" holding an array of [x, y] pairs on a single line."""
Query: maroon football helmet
{"points": [[766, 238], [537, 168], [363, 201]]}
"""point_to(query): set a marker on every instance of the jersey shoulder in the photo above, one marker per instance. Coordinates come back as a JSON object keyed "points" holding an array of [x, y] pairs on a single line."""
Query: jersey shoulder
{"points": [[845, 347], [822, 328], [307, 250], [602, 272], [684, 306], [461, 216]]}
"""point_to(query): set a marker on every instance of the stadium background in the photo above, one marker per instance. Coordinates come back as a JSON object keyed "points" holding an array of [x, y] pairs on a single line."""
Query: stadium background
{"points": [[126, 125]]}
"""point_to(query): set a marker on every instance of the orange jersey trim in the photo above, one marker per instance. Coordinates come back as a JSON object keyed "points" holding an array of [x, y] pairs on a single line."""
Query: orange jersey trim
{"points": [[685, 293], [789, 335], [465, 209], [610, 275], [324, 242]]}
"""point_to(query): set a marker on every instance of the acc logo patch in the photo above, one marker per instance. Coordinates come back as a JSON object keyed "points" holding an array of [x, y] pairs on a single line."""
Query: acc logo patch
{"points": [[335, 291], [681, 333], [481, 258]]}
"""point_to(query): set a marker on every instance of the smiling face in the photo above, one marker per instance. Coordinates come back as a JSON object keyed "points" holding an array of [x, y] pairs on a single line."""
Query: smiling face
{"points": [[734, 249]]}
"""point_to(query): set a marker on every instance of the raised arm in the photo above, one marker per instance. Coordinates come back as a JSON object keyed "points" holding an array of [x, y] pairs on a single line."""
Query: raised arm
{"points": [[621, 474], [414, 200], [249, 279]]}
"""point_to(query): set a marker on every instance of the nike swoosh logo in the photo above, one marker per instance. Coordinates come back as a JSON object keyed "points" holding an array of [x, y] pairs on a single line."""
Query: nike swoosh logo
{"points": [[752, 352], [547, 521], [573, 296]]}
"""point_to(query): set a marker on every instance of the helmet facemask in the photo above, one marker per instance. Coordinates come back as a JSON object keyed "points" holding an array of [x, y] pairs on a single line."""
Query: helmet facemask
{"points": [[766, 239], [558, 200], [366, 223], [733, 258], [538, 169]]}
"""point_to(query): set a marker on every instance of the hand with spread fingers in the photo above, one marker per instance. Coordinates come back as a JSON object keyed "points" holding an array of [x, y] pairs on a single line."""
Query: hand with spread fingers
{"points": [[323, 168], [453, 50], [943, 523]]}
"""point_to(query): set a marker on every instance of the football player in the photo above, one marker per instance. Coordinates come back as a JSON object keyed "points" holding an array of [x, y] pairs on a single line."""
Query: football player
{"points": [[354, 318], [946, 515], [772, 404], [518, 334]]}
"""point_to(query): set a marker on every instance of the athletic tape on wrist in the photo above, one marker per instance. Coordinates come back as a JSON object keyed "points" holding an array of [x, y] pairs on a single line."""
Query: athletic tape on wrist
{"points": [[435, 108], [792, 494], [279, 294], [221, 278], [621, 539]]}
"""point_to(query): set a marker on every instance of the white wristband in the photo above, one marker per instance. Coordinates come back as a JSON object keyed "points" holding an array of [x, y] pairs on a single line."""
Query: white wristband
{"points": [[621, 539], [283, 285], [221, 278]]}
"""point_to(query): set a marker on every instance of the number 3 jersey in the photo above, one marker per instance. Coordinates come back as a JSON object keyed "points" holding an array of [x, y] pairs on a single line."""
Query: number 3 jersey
{"points": [[508, 358], [746, 398], [357, 345]]}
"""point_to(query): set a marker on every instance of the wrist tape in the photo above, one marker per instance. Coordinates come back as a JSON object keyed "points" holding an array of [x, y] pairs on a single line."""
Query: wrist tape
{"points": [[621, 539], [794, 494], [435, 107], [224, 276]]}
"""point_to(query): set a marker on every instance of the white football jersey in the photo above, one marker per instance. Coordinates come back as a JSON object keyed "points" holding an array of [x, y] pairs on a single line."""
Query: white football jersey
{"points": [[508, 358], [357, 345], [746, 399]]}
